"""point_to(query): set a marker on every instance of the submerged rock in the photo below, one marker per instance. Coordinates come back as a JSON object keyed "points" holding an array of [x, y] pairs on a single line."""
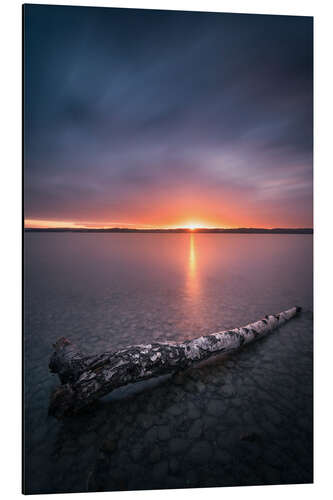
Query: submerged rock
{"points": [[160, 470], [249, 436], [136, 453], [164, 432], [177, 446], [200, 452], [195, 430], [174, 465], [110, 445], [215, 407], [154, 455]]}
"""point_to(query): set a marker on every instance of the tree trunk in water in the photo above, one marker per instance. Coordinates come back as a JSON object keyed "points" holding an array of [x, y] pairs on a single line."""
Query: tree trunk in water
{"points": [[85, 379]]}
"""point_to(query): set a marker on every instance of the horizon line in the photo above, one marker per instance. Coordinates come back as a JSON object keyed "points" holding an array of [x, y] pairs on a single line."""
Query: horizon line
{"points": [[166, 229]]}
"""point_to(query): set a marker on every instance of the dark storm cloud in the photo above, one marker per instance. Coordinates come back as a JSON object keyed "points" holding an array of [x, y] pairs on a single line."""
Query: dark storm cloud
{"points": [[121, 104]]}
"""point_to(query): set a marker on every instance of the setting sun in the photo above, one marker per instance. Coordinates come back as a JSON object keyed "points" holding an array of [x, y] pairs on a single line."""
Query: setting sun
{"points": [[195, 225]]}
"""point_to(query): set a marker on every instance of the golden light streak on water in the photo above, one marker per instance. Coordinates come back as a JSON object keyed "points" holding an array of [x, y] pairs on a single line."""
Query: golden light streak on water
{"points": [[193, 287]]}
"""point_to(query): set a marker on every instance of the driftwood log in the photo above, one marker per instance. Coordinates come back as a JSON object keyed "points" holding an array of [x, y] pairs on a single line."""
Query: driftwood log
{"points": [[84, 379]]}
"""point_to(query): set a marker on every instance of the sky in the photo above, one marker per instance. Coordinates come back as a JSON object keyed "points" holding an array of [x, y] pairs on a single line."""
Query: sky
{"points": [[138, 118]]}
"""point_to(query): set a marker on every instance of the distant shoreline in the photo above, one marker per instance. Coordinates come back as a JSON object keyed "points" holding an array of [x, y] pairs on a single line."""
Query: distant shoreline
{"points": [[175, 231]]}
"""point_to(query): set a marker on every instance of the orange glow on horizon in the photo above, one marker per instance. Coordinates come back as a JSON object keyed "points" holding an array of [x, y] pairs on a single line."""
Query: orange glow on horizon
{"points": [[182, 223], [36, 223], [51, 224], [63, 224]]}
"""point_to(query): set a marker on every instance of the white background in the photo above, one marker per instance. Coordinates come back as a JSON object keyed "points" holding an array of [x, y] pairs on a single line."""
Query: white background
{"points": [[10, 284]]}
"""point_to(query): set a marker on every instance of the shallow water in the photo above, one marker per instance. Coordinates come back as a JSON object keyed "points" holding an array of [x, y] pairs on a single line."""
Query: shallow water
{"points": [[243, 420]]}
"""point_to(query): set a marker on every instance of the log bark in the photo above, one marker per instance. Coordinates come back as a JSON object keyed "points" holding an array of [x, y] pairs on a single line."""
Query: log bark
{"points": [[84, 379]]}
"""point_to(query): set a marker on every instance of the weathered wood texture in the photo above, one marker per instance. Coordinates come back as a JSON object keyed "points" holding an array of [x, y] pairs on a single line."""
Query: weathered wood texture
{"points": [[84, 379]]}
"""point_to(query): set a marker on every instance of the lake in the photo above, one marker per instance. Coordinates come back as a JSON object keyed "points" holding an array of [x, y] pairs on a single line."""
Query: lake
{"points": [[242, 420]]}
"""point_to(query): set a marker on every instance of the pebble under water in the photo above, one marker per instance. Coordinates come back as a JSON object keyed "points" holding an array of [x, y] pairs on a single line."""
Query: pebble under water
{"points": [[245, 419]]}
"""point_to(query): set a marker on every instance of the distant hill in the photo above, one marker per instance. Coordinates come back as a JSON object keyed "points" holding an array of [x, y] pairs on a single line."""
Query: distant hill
{"points": [[240, 230]]}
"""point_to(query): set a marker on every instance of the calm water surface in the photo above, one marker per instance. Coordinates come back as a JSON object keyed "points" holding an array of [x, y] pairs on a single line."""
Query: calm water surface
{"points": [[242, 420]]}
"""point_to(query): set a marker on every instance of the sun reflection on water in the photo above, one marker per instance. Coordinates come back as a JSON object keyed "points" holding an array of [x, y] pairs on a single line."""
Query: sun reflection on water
{"points": [[192, 279]]}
